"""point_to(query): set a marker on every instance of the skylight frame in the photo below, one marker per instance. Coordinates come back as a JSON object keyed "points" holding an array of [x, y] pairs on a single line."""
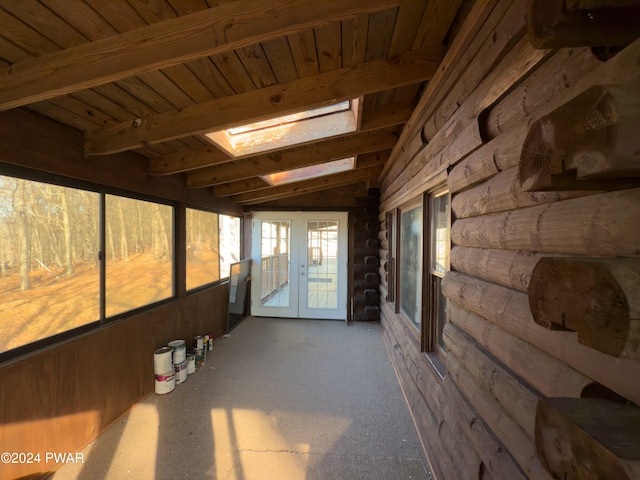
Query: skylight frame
{"points": [[288, 130], [310, 172]]}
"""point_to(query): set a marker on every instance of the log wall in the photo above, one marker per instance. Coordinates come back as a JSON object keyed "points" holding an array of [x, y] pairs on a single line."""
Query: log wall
{"points": [[485, 414]]}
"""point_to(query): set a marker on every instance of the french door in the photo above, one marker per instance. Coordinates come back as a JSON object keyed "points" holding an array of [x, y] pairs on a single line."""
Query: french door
{"points": [[299, 267]]}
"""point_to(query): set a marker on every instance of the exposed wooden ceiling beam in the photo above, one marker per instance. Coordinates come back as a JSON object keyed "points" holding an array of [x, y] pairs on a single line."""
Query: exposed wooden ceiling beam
{"points": [[213, 31], [293, 158], [297, 95], [308, 186], [373, 118], [252, 184]]}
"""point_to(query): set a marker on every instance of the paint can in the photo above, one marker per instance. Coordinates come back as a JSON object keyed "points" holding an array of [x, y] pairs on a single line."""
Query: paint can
{"points": [[198, 342], [165, 383], [200, 357], [210, 342], [181, 372], [162, 360], [179, 351], [191, 363]]}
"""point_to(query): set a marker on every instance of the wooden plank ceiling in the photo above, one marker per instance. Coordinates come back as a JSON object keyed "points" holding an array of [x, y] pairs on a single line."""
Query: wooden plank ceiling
{"points": [[152, 76]]}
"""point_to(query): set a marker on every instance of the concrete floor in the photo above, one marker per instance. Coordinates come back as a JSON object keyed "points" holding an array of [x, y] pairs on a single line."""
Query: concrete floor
{"points": [[279, 399]]}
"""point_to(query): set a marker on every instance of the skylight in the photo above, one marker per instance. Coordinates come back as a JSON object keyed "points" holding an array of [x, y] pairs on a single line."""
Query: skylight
{"points": [[288, 130], [313, 171]]}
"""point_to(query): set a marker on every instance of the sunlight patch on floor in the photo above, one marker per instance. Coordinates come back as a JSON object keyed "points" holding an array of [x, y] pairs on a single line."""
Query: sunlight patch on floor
{"points": [[250, 444]]}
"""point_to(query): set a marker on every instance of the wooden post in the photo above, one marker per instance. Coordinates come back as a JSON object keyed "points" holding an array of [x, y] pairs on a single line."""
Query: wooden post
{"points": [[588, 438], [600, 300], [586, 143]]}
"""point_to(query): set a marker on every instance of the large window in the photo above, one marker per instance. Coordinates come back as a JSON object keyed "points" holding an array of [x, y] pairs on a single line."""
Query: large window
{"points": [[73, 258], [423, 239], [49, 267], [213, 244], [410, 267], [139, 253]]}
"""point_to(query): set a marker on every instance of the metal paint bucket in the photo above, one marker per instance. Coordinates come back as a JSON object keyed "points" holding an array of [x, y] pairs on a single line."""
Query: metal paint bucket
{"points": [[181, 372], [162, 360], [165, 383], [198, 342], [191, 363], [200, 357], [179, 351]]}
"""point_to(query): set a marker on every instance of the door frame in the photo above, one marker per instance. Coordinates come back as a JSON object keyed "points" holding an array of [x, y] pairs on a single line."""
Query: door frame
{"points": [[298, 268]]}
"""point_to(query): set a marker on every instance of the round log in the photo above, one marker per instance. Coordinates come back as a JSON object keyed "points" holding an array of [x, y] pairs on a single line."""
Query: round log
{"points": [[597, 225], [509, 268], [502, 192], [510, 310], [584, 439]]}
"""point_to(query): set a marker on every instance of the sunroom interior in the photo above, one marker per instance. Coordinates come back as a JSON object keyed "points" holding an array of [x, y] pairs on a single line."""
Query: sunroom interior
{"points": [[464, 173]]}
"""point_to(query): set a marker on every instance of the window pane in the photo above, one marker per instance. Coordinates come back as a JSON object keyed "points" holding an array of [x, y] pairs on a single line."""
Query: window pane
{"points": [[440, 234], [411, 263], [229, 243], [203, 255], [139, 253], [49, 270]]}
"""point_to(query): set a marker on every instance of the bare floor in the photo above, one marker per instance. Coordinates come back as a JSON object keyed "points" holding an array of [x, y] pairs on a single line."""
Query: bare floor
{"points": [[279, 399]]}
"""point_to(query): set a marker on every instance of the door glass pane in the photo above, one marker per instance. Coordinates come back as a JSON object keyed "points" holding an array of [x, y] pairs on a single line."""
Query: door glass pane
{"points": [[411, 263], [322, 264], [274, 252]]}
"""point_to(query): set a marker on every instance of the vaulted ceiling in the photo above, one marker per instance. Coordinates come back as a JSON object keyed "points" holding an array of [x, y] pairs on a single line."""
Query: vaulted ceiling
{"points": [[153, 76]]}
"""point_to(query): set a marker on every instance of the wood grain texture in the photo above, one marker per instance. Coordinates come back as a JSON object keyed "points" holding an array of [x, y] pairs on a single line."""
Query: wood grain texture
{"points": [[292, 158], [589, 142], [506, 267], [209, 155], [588, 438], [594, 225], [209, 32], [501, 423], [303, 94], [540, 370], [598, 299], [509, 310]]}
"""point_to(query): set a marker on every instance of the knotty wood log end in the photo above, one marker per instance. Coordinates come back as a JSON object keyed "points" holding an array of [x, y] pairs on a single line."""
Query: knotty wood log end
{"points": [[582, 296], [580, 439], [589, 143]]}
